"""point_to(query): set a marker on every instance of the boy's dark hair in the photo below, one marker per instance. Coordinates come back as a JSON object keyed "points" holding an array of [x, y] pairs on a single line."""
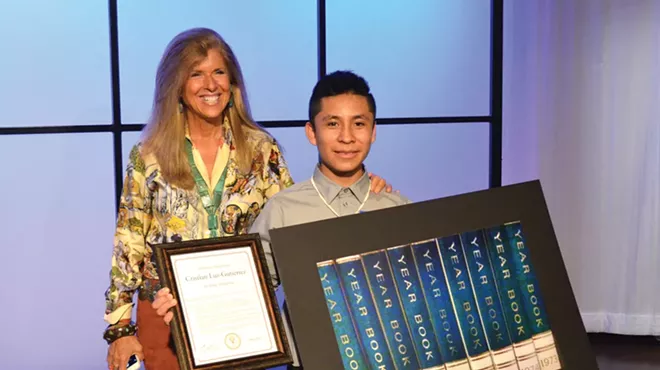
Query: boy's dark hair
{"points": [[338, 83]]}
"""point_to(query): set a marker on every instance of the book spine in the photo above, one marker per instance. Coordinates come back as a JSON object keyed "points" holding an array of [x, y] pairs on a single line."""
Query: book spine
{"points": [[342, 323], [460, 288], [388, 306], [499, 254], [488, 301], [363, 310], [409, 288], [544, 342], [441, 311]]}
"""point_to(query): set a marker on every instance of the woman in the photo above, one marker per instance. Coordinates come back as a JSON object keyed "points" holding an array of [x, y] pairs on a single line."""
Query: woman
{"points": [[204, 169]]}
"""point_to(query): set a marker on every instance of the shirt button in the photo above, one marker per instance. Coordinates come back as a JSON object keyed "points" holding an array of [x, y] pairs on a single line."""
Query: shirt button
{"points": [[346, 190], [345, 204]]}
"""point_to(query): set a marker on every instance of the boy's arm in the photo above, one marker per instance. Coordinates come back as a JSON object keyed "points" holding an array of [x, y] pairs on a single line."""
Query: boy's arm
{"points": [[270, 217]]}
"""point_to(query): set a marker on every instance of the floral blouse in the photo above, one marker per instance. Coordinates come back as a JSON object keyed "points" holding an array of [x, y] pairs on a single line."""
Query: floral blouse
{"points": [[152, 211]]}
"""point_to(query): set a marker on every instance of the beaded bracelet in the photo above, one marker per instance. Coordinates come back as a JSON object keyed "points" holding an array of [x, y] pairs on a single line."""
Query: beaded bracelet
{"points": [[112, 333]]}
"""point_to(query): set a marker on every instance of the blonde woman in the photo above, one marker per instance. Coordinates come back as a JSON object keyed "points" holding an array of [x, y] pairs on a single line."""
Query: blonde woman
{"points": [[204, 168]]}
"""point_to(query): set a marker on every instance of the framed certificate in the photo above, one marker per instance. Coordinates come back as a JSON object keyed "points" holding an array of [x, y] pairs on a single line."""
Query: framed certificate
{"points": [[227, 316]]}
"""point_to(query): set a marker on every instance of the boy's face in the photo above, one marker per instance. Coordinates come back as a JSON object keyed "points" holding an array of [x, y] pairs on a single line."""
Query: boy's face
{"points": [[343, 132]]}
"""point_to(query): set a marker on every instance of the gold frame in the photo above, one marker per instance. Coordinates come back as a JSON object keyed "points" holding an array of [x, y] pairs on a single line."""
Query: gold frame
{"points": [[182, 343]]}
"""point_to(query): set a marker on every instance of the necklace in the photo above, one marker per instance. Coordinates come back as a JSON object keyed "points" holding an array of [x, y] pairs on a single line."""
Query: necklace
{"points": [[210, 201], [332, 209]]}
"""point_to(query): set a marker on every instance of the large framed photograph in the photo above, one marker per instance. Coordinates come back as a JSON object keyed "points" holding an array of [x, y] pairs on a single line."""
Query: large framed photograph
{"points": [[474, 281], [227, 316]]}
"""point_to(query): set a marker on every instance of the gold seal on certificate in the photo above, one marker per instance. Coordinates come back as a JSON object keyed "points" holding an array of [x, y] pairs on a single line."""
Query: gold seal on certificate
{"points": [[232, 341], [227, 316]]}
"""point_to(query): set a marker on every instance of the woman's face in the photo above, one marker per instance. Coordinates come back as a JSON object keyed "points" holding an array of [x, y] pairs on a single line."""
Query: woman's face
{"points": [[207, 89]]}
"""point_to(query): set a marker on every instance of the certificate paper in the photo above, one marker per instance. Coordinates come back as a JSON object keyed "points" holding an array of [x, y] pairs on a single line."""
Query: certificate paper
{"points": [[223, 305]]}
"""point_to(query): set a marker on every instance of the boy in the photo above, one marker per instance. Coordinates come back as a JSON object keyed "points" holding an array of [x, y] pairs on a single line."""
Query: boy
{"points": [[342, 126]]}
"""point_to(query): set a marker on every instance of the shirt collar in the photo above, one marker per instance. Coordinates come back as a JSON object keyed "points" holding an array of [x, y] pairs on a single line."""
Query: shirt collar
{"points": [[330, 190]]}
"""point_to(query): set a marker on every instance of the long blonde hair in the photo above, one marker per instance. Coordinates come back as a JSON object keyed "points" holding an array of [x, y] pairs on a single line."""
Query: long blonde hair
{"points": [[164, 134]]}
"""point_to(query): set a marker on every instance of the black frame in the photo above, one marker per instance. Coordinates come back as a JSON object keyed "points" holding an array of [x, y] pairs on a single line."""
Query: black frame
{"points": [[117, 128], [182, 341], [297, 250]]}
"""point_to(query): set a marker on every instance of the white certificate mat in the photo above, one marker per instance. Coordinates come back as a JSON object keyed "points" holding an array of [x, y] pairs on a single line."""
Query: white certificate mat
{"points": [[223, 305]]}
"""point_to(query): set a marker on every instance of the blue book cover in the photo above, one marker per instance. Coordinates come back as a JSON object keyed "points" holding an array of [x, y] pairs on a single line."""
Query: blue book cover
{"points": [[409, 288], [460, 287], [488, 300], [438, 301], [499, 254], [533, 299], [363, 311], [349, 346], [388, 305]]}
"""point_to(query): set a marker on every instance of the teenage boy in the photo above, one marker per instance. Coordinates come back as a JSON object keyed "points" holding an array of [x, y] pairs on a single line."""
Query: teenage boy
{"points": [[342, 126]]}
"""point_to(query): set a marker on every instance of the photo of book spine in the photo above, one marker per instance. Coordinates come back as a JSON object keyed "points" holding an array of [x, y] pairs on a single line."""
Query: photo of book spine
{"points": [[488, 300], [438, 301], [408, 286], [390, 311], [533, 299], [342, 323], [460, 289], [499, 254], [363, 310]]}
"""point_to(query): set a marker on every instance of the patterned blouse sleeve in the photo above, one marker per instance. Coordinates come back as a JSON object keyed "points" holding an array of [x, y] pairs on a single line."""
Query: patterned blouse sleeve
{"points": [[128, 253], [277, 172]]}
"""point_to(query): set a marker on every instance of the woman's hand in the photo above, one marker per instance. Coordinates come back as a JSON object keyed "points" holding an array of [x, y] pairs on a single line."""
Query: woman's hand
{"points": [[378, 184], [121, 350], [162, 304]]}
